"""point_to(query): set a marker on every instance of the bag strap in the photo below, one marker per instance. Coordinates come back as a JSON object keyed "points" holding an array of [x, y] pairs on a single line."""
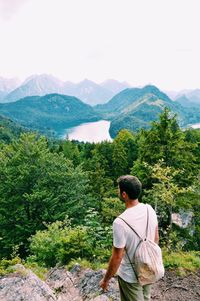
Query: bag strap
{"points": [[130, 227]]}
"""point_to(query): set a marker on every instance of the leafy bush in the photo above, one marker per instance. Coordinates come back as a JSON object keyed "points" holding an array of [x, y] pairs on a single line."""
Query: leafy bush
{"points": [[60, 243]]}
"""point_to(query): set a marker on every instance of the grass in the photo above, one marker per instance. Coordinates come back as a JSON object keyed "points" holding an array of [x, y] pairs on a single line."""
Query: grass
{"points": [[182, 261]]}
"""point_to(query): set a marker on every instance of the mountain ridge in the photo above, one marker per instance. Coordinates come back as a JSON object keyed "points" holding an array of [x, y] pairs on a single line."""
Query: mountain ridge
{"points": [[53, 111]]}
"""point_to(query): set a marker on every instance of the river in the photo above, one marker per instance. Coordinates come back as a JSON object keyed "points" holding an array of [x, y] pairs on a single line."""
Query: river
{"points": [[89, 132]]}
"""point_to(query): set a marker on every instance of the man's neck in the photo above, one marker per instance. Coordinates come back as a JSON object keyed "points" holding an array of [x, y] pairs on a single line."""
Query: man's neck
{"points": [[131, 203]]}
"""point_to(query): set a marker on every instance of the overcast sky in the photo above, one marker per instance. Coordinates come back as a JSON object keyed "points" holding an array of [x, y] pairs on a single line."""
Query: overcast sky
{"points": [[139, 41]]}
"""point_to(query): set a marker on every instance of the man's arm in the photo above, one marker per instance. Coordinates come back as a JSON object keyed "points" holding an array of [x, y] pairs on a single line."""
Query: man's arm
{"points": [[115, 260], [156, 236]]}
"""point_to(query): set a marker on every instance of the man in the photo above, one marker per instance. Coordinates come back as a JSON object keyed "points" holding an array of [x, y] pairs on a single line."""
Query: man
{"points": [[124, 238]]}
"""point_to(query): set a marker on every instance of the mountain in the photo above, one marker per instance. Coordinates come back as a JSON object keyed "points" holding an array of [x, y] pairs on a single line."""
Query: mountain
{"points": [[37, 85], [40, 85], [135, 108], [185, 102], [114, 85], [193, 96], [89, 92], [127, 97], [7, 85], [50, 112]]}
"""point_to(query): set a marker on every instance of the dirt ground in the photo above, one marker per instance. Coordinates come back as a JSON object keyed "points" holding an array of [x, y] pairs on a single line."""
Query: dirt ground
{"points": [[177, 288]]}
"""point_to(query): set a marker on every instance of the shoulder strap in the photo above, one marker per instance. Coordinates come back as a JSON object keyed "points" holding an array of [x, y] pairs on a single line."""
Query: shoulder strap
{"points": [[130, 227], [147, 225]]}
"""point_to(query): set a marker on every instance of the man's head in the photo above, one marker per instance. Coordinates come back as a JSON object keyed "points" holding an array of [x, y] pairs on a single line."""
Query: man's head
{"points": [[130, 187]]}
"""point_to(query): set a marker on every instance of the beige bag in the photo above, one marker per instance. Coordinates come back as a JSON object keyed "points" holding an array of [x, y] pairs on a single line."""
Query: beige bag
{"points": [[147, 261]]}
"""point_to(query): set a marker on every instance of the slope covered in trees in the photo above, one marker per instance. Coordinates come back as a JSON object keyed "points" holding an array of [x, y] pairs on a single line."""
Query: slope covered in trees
{"points": [[50, 112], [58, 198], [9, 129]]}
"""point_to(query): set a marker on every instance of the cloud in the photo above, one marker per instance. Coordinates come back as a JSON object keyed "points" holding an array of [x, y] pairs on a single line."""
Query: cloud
{"points": [[9, 7]]}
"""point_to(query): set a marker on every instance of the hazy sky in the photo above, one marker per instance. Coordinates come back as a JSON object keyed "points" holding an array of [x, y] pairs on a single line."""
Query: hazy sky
{"points": [[139, 41]]}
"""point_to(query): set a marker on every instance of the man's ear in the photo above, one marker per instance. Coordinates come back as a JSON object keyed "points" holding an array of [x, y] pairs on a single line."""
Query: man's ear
{"points": [[124, 195]]}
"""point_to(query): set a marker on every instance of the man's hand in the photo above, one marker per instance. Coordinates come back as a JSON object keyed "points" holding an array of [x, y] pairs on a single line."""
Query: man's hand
{"points": [[104, 284], [113, 266]]}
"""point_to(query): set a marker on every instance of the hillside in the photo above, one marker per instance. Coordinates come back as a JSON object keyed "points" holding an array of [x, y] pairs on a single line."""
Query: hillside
{"points": [[9, 129], [135, 108], [53, 111]]}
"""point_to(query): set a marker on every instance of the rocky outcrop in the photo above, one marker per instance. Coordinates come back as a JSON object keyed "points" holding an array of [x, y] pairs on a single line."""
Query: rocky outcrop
{"points": [[62, 283], [83, 285], [24, 285]]}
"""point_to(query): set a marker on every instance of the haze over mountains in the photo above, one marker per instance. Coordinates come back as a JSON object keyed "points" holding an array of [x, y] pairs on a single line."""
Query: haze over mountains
{"points": [[88, 91], [40, 85], [45, 103]]}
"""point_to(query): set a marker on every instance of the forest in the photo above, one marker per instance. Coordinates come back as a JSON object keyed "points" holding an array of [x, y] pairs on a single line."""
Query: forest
{"points": [[58, 198]]}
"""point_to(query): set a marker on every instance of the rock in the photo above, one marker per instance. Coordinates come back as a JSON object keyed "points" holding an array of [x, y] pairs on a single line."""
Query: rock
{"points": [[24, 285], [62, 282], [88, 284]]}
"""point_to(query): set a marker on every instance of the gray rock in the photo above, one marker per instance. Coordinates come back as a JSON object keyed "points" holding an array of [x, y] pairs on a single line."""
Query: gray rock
{"points": [[62, 282], [24, 285], [88, 284]]}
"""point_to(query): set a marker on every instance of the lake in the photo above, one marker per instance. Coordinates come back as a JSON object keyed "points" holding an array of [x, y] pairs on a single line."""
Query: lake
{"points": [[89, 132], [195, 126]]}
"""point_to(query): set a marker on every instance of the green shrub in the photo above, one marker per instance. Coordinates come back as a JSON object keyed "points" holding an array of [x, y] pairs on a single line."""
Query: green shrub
{"points": [[6, 265], [188, 261]]}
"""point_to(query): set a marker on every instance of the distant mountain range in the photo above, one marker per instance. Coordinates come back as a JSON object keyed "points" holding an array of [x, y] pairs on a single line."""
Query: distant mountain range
{"points": [[187, 98], [7, 85], [44, 103], [88, 91], [40, 85], [53, 112]]}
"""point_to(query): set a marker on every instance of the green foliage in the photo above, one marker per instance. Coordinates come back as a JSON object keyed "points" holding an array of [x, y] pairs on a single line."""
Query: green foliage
{"points": [[189, 261], [111, 208], [6, 265], [50, 112], [94, 265], [9, 130], [99, 236], [43, 181], [166, 196], [60, 242], [36, 186]]}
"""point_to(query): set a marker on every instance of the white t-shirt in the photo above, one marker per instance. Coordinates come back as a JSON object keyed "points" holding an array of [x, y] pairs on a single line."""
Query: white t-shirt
{"points": [[123, 236]]}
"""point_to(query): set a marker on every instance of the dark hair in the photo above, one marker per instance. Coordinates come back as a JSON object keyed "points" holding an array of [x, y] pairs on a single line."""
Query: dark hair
{"points": [[131, 185]]}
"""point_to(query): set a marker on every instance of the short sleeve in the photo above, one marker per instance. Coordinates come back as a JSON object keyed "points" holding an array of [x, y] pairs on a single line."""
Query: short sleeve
{"points": [[119, 238]]}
